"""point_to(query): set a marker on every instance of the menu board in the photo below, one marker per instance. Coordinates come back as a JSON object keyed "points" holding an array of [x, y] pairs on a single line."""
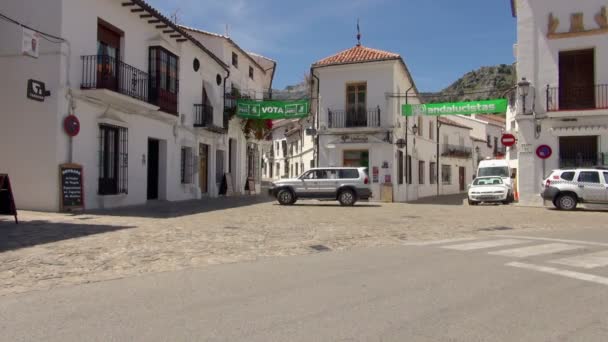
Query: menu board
{"points": [[72, 196]]}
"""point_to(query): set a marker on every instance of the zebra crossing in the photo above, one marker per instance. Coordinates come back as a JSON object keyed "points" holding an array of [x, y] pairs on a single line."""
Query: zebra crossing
{"points": [[579, 255]]}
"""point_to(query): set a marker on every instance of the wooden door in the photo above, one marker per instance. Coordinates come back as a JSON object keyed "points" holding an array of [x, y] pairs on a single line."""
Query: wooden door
{"points": [[203, 167], [153, 168], [577, 79], [108, 55], [462, 178]]}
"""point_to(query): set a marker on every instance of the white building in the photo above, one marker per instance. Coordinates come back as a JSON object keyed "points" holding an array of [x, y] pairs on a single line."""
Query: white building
{"points": [[359, 121], [251, 77], [149, 98], [292, 150], [560, 48], [486, 133]]}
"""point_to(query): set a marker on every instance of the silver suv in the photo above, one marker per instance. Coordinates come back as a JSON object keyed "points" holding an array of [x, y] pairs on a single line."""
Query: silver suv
{"points": [[345, 184], [568, 187]]}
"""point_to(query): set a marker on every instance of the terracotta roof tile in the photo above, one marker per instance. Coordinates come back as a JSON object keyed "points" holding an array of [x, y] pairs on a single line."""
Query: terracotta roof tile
{"points": [[357, 54], [449, 122]]}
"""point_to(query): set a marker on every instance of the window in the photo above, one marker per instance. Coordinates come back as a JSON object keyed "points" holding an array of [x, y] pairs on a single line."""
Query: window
{"points": [[312, 164], [432, 173], [589, 177], [113, 160], [348, 174], [301, 167], [446, 174], [400, 167], [421, 167], [408, 173], [356, 101], [569, 175], [278, 169], [251, 72], [284, 147], [187, 165], [489, 140], [291, 170], [356, 158], [432, 130], [163, 78], [286, 169], [297, 169], [420, 125], [235, 60]]}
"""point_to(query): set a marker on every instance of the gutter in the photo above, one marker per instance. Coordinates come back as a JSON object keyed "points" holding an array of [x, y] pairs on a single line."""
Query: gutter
{"points": [[224, 95]]}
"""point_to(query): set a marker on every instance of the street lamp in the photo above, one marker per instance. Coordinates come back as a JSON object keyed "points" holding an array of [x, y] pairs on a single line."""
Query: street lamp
{"points": [[415, 129], [523, 87]]}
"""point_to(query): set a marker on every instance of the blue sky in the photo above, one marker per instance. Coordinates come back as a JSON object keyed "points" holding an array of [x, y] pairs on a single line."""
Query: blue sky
{"points": [[440, 40]]}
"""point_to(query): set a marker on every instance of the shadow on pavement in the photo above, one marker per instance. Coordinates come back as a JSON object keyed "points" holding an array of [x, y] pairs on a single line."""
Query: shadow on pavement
{"points": [[166, 209], [458, 199], [39, 232], [322, 204]]}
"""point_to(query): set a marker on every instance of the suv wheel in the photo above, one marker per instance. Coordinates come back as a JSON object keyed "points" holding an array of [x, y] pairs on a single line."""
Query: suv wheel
{"points": [[566, 202], [347, 197], [473, 202], [286, 197]]}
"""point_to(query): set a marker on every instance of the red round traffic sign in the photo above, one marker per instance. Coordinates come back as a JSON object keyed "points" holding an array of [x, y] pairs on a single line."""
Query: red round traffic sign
{"points": [[544, 151], [71, 125], [508, 139]]}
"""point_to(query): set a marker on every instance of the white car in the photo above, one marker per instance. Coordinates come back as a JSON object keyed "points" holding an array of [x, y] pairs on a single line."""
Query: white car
{"points": [[489, 190]]}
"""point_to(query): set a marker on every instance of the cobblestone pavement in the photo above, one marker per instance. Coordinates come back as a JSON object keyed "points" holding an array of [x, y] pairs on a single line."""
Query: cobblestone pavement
{"points": [[49, 249]]}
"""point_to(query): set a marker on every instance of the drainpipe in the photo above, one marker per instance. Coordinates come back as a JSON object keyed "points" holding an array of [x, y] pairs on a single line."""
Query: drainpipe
{"points": [[316, 117], [407, 147]]}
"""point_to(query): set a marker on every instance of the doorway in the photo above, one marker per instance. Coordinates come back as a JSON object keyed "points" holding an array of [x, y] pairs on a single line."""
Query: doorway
{"points": [[577, 79], [462, 178], [357, 158], [203, 167], [153, 168], [579, 151]]}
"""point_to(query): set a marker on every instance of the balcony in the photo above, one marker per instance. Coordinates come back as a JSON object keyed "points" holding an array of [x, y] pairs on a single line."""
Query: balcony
{"points": [[570, 98], [203, 115], [500, 151], [456, 151], [105, 72], [230, 101], [361, 118]]}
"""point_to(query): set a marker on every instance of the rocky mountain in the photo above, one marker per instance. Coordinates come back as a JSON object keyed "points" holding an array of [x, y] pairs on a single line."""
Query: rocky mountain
{"points": [[293, 92], [487, 82]]}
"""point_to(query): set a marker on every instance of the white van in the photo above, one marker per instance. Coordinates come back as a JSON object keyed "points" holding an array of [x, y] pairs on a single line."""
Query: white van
{"points": [[496, 168]]}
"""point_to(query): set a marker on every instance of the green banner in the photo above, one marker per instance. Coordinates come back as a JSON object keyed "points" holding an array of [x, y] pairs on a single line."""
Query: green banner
{"points": [[454, 108], [252, 109]]}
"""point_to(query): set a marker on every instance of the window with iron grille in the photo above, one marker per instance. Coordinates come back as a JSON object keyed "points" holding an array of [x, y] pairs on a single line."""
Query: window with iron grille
{"points": [[408, 172], [235, 60], [432, 172], [312, 164], [421, 172], [431, 130], [187, 165], [489, 140], [251, 72], [113, 160], [400, 167], [446, 174]]}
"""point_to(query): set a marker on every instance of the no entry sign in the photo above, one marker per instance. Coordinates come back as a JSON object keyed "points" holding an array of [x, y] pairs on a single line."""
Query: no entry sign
{"points": [[508, 139], [544, 151]]}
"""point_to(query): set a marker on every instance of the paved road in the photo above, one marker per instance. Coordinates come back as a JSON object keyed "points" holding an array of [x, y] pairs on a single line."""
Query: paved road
{"points": [[48, 250], [549, 287]]}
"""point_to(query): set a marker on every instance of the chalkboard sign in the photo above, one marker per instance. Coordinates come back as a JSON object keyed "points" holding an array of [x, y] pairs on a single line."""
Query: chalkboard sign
{"points": [[7, 202], [72, 196]]}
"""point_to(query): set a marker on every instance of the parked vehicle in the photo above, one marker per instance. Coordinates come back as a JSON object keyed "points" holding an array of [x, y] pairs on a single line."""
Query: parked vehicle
{"points": [[495, 167], [344, 184], [566, 188], [489, 190]]}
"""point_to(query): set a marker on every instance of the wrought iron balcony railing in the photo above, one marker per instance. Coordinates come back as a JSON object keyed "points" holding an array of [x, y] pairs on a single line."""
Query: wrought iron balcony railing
{"points": [[354, 118], [456, 151], [203, 115], [105, 72], [577, 98]]}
